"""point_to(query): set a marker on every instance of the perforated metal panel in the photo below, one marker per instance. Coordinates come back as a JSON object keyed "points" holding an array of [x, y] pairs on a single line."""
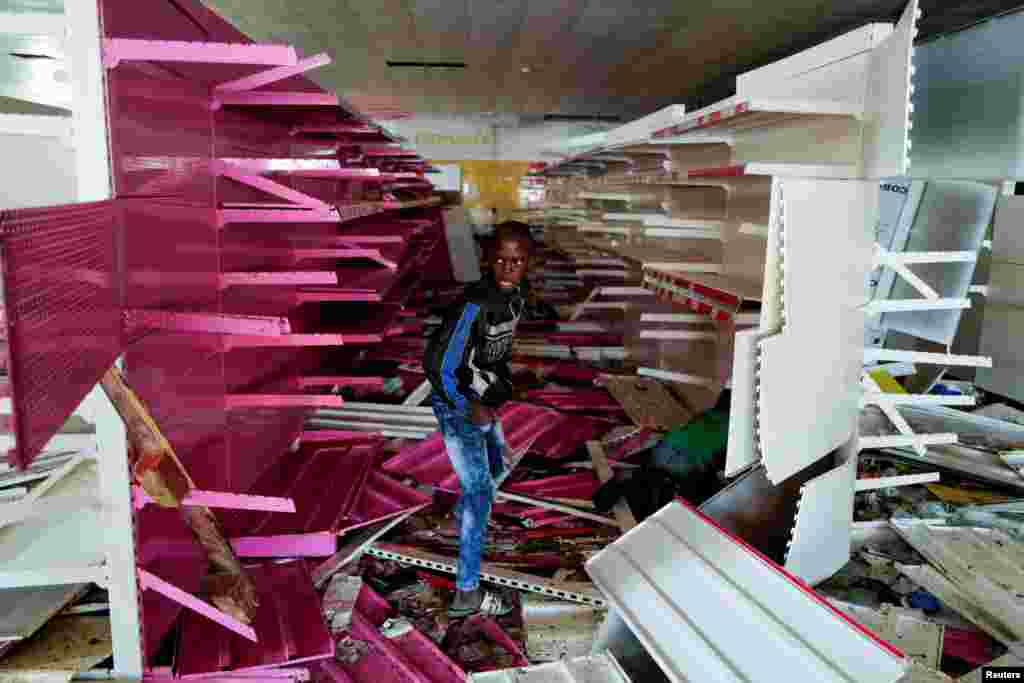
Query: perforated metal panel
{"points": [[62, 313]]}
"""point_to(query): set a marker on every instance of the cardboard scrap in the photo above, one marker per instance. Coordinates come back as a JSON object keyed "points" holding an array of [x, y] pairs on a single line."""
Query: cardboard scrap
{"points": [[23, 611], [647, 402], [61, 649], [958, 495]]}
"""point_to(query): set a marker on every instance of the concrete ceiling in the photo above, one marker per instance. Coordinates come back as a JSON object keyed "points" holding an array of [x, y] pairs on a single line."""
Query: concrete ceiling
{"points": [[585, 57]]}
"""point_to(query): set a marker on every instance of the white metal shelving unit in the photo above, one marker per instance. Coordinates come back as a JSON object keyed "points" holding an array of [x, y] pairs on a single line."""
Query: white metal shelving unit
{"points": [[786, 172], [84, 531]]}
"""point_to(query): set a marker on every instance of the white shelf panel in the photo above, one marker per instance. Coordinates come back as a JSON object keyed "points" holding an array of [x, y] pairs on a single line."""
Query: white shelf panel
{"points": [[58, 544], [773, 626], [809, 375]]}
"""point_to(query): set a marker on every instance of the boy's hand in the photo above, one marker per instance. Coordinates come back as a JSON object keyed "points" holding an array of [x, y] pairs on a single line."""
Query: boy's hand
{"points": [[480, 415]]}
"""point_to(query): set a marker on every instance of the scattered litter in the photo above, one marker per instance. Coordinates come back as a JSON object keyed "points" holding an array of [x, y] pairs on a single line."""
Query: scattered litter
{"points": [[339, 601], [350, 651]]}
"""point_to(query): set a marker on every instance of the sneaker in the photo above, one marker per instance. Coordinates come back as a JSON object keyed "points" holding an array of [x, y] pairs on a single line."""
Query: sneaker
{"points": [[491, 605]]}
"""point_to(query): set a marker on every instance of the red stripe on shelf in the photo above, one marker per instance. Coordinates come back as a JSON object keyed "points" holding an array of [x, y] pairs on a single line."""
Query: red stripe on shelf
{"points": [[716, 294], [718, 171]]}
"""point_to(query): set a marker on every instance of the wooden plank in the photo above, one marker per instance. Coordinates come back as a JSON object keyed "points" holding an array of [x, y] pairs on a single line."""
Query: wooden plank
{"points": [[623, 514], [163, 477], [23, 611], [647, 402], [154, 462], [66, 645]]}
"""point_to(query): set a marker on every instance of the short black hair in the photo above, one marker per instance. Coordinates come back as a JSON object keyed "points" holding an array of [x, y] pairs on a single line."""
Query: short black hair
{"points": [[512, 231]]}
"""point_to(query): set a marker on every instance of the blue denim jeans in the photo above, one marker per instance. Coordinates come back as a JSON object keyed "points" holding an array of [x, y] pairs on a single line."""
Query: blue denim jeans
{"points": [[477, 455]]}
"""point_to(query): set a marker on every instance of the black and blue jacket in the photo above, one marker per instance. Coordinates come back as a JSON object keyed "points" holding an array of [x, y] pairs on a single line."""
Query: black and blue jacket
{"points": [[467, 357]]}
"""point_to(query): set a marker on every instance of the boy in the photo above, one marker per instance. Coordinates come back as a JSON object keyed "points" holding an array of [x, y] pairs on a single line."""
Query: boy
{"points": [[466, 362]]}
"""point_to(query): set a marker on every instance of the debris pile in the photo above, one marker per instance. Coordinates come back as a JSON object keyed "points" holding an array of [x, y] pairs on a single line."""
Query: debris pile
{"points": [[595, 449]]}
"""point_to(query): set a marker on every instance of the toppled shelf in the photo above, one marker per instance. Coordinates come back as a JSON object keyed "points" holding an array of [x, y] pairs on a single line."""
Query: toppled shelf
{"points": [[693, 639]]}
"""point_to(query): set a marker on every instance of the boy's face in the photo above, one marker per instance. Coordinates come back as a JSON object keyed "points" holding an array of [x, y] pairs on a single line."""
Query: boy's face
{"points": [[510, 261]]}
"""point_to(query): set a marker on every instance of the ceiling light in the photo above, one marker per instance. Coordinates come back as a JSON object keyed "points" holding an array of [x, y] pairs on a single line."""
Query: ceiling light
{"points": [[526, 69]]}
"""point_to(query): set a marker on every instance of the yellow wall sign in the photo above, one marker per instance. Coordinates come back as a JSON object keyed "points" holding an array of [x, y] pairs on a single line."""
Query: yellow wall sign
{"points": [[483, 138], [489, 184]]}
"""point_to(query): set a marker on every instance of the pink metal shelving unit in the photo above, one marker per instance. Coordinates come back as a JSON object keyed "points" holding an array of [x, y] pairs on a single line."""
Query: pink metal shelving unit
{"points": [[257, 237]]}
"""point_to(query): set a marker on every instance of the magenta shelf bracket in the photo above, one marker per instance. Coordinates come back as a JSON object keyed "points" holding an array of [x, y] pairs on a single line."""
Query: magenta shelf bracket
{"points": [[213, 323], [274, 75], [220, 499], [228, 216], [243, 401], [288, 340], [270, 99], [376, 258], [317, 544], [345, 173], [262, 184], [189, 601], [278, 278], [337, 380], [338, 128], [329, 435], [117, 50]]}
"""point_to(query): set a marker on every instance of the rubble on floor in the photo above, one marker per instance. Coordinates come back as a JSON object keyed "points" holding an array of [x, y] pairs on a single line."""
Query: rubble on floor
{"points": [[355, 585]]}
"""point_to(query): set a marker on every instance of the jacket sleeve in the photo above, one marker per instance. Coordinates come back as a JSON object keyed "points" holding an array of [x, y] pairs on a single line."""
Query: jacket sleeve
{"points": [[452, 357]]}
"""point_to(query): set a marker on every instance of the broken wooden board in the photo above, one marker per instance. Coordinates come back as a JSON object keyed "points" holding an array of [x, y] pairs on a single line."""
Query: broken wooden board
{"points": [[154, 462], [156, 467], [61, 649], [23, 611], [647, 402]]}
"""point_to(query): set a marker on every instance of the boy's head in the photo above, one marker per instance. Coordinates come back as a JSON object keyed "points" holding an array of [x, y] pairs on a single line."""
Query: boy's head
{"points": [[511, 247]]}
